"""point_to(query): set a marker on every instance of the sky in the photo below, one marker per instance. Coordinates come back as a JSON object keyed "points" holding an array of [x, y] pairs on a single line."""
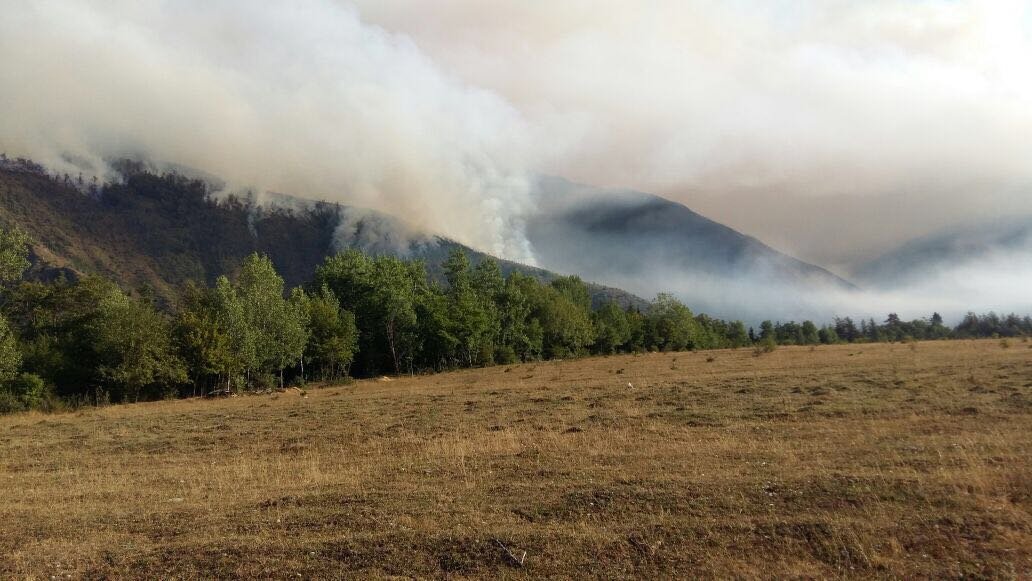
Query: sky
{"points": [[832, 130]]}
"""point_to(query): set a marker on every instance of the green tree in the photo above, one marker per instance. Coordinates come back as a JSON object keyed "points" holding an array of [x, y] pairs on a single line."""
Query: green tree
{"points": [[566, 327], [809, 334], [513, 322], [671, 325], [10, 356], [278, 327], [767, 331], [14, 254], [334, 335], [737, 335], [472, 310], [396, 286], [436, 345], [260, 291], [241, 355], [636, 326], [611, 328], [203, 339], [292, 332], [135, 344], [574, 290]]}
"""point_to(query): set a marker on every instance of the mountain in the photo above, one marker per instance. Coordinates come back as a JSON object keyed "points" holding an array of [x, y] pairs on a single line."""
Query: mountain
{"points": [[1006, 243], [159, 231], [643, 242]]}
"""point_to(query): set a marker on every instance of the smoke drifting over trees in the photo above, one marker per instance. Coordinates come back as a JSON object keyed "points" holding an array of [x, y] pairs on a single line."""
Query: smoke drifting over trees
{"points": [[302, 98], [832, 130]]}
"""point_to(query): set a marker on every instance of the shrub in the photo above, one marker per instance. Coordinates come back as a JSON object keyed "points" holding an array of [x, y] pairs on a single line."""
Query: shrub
{"points": [[486, 355], [766, 346], [30, 389], [10, 403], [505, 355], [264, 380]]}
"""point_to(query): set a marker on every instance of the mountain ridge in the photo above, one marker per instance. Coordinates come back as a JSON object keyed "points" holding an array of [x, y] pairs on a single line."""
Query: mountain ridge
{"points": [[160, 231], [638, 241], [947, 248]]}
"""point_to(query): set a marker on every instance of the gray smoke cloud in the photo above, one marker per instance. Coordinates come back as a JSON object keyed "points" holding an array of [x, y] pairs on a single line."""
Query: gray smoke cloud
{"points": [[832, 129], [297, 97]]}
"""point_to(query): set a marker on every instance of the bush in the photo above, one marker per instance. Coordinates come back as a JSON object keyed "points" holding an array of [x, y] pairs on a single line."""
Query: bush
{"points": [[486, 356], [10, 403], [505, 355], [766, 346], [30, 389], [263, 380]]}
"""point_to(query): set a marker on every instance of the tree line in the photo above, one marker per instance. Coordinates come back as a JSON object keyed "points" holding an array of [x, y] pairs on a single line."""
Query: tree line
{"points": [[87, 341]]}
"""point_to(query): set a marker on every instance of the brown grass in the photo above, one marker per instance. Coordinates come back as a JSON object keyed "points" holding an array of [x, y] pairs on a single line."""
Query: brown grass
{"points": [[855, 460]]}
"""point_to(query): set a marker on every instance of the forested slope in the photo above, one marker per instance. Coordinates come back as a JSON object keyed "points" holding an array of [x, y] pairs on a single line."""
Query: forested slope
{"points": [[160, 231]]}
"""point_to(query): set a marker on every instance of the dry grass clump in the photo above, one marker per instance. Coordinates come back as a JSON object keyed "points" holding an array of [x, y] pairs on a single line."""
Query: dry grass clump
{"points": [[879, 463]]}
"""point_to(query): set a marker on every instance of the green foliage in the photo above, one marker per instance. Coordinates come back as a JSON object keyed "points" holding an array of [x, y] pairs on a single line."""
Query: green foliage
{"points": [[277, 327], [10, 403], [636, 330], [561, 316], [10, 356], [573, 289], [766, 330], [240, 353], [29, 389], [88, 341], [505, 355], [333, 340], [203, 334], [809, 334], [670, 325], [14, 254], [385, 293], [134, 341], [612, 330], [473, 310], [767, 345], [514, 332], [737, 335]]}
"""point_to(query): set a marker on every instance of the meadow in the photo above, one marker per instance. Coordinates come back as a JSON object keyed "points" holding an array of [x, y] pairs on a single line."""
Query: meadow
{"points": [[861, 460]]}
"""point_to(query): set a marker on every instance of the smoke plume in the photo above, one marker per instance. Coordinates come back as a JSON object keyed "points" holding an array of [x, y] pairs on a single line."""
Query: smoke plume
{"points": [[295, 97], [832, 130]]}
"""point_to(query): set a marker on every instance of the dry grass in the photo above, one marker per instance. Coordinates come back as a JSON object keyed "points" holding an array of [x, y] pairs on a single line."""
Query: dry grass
{"points": [[872, 460]]}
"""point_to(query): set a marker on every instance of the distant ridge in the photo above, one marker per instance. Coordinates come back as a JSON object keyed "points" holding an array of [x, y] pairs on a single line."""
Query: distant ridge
{"points": [[1007, 239], [636, 240]]}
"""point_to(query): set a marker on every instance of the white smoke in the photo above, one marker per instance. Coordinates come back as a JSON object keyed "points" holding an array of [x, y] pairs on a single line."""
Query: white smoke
{"points": [[296, 97], [833, 129]]}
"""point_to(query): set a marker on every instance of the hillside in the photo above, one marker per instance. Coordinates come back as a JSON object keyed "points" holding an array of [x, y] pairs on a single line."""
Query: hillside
{"points": [[638, 241], [160, 231], [873, 461], [1006, 243]]}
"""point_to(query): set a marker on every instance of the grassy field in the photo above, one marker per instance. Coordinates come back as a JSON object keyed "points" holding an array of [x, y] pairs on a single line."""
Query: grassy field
{"points": [[853, 460]]}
